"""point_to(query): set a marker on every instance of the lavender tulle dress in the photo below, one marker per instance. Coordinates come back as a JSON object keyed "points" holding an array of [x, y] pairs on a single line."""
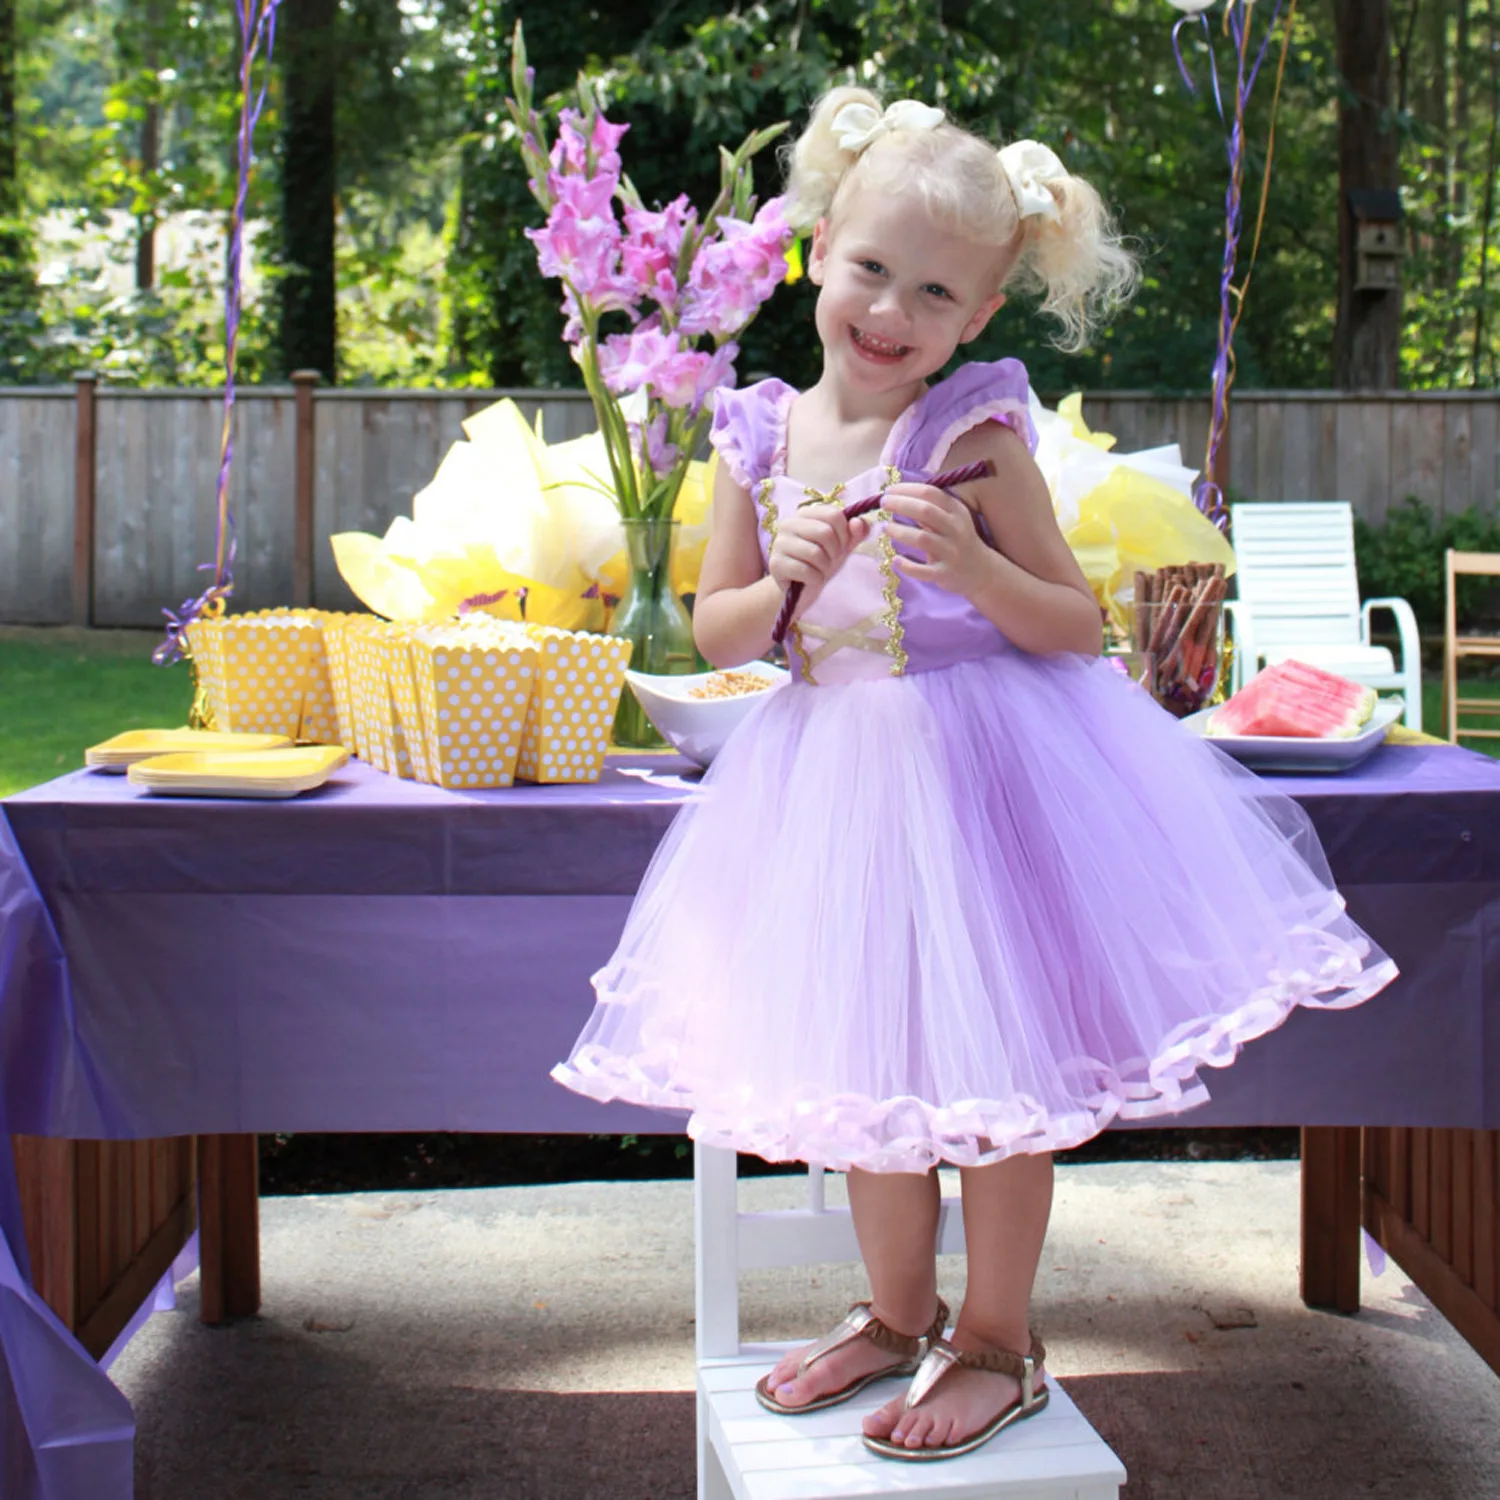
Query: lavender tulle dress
{"points": [[940, 900]]}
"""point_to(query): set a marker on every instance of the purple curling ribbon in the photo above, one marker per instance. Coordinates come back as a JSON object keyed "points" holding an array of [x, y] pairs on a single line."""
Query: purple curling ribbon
{"points": [[1237, 21], [257, 35], [981, 470]]}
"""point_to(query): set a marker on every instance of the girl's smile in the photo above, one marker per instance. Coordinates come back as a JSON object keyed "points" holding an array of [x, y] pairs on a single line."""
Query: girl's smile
{"points": [[882, 351]]}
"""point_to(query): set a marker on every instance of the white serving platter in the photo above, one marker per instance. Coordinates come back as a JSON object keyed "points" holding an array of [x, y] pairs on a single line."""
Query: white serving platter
{"points": [[1283, 753]]}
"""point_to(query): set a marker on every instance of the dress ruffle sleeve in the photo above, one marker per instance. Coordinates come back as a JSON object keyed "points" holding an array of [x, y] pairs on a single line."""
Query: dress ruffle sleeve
{"points": [[975, 394], [745, 430]]}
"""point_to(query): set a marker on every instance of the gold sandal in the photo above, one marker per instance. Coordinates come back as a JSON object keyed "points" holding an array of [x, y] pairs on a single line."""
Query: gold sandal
{"points": [[861, 1323], [936, 1363]]}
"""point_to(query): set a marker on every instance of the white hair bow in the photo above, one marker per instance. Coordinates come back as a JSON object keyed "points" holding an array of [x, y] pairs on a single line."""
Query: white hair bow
{"points": [[1030, 167], [856, 124]]}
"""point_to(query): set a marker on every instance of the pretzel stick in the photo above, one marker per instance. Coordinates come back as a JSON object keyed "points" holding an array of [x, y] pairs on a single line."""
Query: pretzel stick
{"points": [[1188, 647], [1165, 629], [858, 508], [1201, 632], [1140, 612]]}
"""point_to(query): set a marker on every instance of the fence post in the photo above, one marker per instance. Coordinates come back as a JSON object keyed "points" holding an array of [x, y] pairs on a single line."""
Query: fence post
{"points": [[304, 382], [85, 475]]}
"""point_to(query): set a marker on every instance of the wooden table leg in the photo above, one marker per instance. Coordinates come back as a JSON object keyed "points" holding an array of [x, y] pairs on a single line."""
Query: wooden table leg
{"points": [[1331, 1217], [228, 1226]]}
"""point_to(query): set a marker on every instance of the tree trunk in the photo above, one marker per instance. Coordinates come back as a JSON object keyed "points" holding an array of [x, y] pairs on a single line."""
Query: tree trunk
{"points": [[1367, 335], [307, 45], [10, 180], [1492, 166], [145, 243]]}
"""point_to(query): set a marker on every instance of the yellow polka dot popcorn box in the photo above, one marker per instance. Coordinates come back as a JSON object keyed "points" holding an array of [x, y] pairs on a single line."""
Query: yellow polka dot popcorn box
{"points": [[335, 645], [267, 673], [579, 679], [474, 683], [408, 742], [378, 739]]}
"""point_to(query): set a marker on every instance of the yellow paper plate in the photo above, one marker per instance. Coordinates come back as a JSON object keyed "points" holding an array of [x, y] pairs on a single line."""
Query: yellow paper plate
{"points": [[267, 773], [140, 744]]}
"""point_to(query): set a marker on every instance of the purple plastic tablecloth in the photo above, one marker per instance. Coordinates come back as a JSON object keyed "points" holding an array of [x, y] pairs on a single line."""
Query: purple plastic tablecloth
{"points": [[386, 956], [383, 955]]}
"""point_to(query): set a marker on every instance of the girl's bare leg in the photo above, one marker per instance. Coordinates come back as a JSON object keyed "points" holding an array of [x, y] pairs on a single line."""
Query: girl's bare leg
{"points": [[1006, 1208], [895, 1218]]}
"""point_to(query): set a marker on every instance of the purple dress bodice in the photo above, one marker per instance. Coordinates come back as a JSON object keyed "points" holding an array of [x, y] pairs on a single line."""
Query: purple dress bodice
{"points": [[872, 620]]}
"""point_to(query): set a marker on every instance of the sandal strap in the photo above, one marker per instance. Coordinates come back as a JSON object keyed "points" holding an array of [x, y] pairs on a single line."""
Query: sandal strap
{"points": [[861, 1323], [942, 1357]]}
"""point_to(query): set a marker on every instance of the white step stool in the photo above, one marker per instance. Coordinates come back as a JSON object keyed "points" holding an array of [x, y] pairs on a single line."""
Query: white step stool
{"points": [[748, 1453]]}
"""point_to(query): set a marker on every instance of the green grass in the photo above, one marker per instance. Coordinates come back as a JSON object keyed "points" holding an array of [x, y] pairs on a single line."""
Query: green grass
{"points": [[1433, 722], [62, 690]]}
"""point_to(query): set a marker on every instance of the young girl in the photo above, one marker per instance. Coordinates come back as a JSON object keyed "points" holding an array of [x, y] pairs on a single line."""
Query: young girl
{"points": [[961, 893]]}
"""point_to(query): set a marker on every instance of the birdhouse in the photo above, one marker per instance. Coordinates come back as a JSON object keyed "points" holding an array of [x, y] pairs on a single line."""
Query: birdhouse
{"points": [[1377, 239]]}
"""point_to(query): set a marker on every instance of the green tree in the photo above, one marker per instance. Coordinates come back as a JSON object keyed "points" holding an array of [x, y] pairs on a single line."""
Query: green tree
{"points": [[17, 293]]}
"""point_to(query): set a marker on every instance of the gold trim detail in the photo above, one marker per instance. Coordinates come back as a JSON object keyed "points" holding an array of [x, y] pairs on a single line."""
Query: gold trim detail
{"points": [[769, 520], [891, 616], [817, 497]]}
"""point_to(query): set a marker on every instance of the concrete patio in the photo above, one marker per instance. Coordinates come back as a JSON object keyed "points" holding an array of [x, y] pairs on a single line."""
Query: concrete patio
{"points": [[537, 1344]]}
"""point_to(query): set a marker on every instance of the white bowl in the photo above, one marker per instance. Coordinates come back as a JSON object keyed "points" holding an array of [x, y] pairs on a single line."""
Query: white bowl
{"points": [[698, 727]]}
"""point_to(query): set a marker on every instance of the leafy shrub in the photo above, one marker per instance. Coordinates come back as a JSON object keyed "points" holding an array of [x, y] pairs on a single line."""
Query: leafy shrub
{"points": [[1404, 557]]}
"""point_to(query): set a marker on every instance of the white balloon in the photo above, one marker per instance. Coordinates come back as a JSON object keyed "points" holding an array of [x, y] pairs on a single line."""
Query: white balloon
{"points": [[1190, 7]]}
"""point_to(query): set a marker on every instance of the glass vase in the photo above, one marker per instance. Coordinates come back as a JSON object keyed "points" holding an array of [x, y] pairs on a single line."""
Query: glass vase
{"points": [[654, 619]]}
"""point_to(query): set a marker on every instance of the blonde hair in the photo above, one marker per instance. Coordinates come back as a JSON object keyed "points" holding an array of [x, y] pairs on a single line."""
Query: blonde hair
{"points": [[1078, 263]]}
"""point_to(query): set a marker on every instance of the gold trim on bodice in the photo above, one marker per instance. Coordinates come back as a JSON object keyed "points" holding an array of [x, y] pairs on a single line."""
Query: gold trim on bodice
{"points": [[858, 634], [769, 516]]}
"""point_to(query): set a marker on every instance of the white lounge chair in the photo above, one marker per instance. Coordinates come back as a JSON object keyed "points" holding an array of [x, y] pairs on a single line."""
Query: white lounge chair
{"points": [[748, 1453], [1299, 597]]}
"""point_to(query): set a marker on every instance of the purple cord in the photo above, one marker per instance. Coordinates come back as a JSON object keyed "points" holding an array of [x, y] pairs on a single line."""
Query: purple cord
{"points": [[1207, 495], [257, 29], [857, 508]]}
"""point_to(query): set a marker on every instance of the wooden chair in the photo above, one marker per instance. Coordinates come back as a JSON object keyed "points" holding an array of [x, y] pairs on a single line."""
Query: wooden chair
{"points": [[1456, 646], [748, 1453], [1299, 597]]}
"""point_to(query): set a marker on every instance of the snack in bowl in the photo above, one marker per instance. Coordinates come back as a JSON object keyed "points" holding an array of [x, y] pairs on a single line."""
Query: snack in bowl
{"points": [[730, 685], [697, 712]]}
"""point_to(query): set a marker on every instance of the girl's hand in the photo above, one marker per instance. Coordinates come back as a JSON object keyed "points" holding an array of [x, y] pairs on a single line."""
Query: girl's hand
{"points": [[943, 530], [812, 544]]}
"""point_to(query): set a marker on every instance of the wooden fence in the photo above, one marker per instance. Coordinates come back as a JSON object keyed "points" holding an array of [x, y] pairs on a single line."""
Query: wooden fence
{"points": [[107, 496]]}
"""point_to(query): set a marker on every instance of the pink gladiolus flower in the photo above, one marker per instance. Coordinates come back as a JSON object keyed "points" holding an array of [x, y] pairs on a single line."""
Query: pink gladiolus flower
{"points": [[717, 372], [628, 361], [588, 197], [732, 275], [676, 376], [606, 143], [570, 152], [585, 251], [652, 243]]}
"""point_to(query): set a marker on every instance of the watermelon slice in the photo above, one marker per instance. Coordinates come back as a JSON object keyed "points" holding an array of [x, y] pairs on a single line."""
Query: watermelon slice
{"points": [[1295, 701]]}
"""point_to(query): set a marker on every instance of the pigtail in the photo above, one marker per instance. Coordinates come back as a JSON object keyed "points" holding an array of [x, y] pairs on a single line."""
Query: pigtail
{"points": [[1078, 262], [816, 163]]}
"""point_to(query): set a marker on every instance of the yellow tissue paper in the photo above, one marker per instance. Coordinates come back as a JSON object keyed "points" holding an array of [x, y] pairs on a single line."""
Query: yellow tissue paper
{"points": [[1121, 512], [508, 512]]}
